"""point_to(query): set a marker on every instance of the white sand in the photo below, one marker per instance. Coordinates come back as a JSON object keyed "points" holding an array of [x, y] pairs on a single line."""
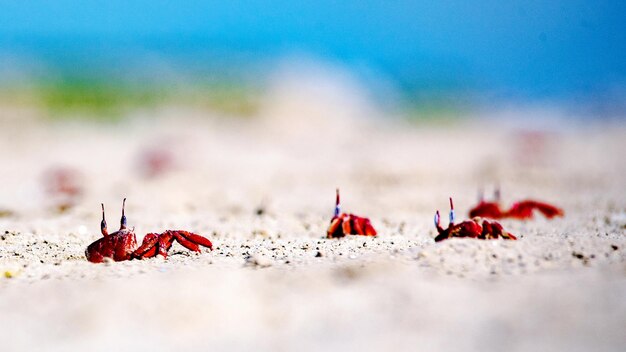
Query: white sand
{"points": [[562, 286]]}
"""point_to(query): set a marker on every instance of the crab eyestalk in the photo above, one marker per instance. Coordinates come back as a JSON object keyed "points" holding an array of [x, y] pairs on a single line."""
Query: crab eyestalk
{"points": [[481, 195], [337, 204], [451, 212], [437, 222], [103, 223], [123, 219], [496, 193]]}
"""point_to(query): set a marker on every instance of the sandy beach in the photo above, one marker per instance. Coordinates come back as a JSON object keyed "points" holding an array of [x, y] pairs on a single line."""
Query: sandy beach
{"points": [[262, 190]]}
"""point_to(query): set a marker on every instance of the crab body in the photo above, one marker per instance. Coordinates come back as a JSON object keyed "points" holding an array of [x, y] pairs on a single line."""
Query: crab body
{"points": [[474, 228], [521, 210], [343, 224], [118, 246], [349, 224], [122, 244]]}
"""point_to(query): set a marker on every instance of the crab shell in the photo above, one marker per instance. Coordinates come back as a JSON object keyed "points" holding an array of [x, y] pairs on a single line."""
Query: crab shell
{"points": [[118, 246]]}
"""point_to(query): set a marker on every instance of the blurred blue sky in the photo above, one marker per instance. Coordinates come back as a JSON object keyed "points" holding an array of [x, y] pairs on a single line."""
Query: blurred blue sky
{"points": [[528, 48]]}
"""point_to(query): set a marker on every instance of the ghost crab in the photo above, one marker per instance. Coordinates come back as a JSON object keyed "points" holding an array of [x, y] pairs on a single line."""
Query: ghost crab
{"points": [[343, 224], [470, 228], [520, 210], [122, 244]]}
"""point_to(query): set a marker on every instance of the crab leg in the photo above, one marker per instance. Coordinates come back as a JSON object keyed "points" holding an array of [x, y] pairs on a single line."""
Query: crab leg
{"points": [[358, 228], [152, 252], [334, 226], [363, 226], [369, 229], [487, 231], [154, 244], [548, 210], [166, 239], [196, 239], [185, 242], [345, 225], [524, 209], [493, 230], [500, 232], [148, 247]]}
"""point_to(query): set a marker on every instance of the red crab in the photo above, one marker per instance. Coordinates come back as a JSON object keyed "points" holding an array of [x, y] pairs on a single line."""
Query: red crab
{"points": [[343, 224], [520, 210], [64, 186], [63, 181], [122, 245], [156, 161], [470, 228]]}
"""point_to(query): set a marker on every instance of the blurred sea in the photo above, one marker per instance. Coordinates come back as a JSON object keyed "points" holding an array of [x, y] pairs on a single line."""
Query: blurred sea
{"points": [[437, 58]]}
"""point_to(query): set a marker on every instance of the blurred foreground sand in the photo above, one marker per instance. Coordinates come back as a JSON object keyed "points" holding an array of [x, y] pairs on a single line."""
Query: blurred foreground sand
{"points": [[562, 286]]}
